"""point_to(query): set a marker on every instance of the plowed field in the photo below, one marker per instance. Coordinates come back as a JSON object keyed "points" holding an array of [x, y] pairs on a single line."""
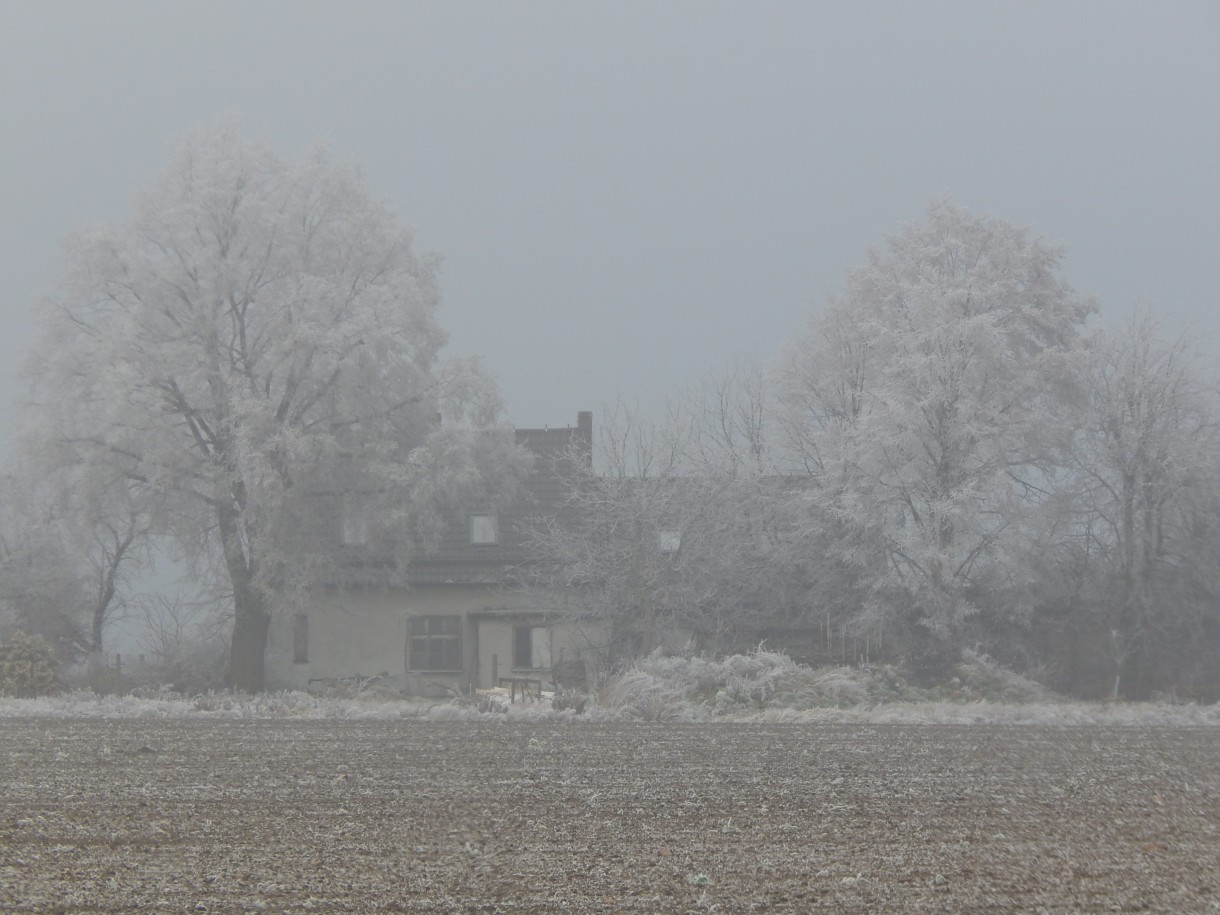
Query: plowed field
{"points": [[368, 816]]}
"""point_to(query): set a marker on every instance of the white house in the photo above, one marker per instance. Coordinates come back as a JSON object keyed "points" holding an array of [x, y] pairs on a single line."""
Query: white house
{"points": [[463, 621]]}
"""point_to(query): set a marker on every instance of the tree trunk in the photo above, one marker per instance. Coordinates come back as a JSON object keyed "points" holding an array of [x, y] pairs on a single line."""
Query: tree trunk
{"points": [[249, 648], [101, 607], [251, 617], [96, 625]]}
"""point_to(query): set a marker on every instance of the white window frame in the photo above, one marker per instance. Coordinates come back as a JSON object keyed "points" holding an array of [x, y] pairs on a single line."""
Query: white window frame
{"points": [[434, 644], [483, 529], [669, 541]]}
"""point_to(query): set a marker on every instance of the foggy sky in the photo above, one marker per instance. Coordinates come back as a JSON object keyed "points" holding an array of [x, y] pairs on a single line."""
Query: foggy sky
{"points": [[630, 195]]}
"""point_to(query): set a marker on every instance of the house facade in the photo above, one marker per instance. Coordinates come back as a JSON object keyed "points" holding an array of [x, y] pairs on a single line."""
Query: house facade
{"points": [[463, 621]]}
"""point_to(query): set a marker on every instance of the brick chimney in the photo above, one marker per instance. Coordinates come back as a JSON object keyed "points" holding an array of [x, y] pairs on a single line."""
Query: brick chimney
{"points": [[584, 434]]}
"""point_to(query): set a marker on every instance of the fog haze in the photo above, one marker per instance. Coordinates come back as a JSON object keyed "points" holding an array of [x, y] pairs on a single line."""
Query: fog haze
{"points": [[627, 196]]}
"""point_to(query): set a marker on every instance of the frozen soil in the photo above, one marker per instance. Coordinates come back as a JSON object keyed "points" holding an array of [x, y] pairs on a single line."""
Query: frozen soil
{"points": [[416, 816]]}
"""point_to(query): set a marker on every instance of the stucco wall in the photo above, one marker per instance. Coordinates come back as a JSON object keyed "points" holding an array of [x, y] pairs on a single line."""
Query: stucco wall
{"points": [[349, 635], [365, 634]]}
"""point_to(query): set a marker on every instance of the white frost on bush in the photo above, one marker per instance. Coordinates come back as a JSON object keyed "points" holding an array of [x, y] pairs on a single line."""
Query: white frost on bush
{"points": [[765, 686], [760, 687], [1008, 685], [1056, 714], [663, 708]]}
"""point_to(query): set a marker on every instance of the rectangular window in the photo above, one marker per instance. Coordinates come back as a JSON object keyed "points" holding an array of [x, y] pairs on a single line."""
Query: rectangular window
{"points": [[531, 648], [300, 639], [669, 541], [484, 529], [434, 643]]}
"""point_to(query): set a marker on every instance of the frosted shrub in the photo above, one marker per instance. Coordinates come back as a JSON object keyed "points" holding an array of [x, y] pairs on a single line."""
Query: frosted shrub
{"points": [[570, 700], [983, 678], [27, 666], [839, 687], [751, 681], [495, 704], [691, 675], [659, 688], [648, 695]]}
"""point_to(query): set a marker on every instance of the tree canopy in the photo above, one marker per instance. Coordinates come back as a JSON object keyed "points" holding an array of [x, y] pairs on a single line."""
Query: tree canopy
{"points": [[257, 341], [929, 401], [944, 459]]}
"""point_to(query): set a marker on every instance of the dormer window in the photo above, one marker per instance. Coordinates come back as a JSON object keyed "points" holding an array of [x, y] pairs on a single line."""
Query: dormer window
{"points": [[484, 529], [669, 541]]}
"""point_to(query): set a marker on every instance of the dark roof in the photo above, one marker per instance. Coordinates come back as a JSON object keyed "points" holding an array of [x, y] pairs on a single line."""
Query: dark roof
{"points": [[458, 561]]}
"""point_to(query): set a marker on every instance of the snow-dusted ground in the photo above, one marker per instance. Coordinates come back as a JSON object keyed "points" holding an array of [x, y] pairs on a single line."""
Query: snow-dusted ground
{"points": [[165, 814], [293, 705]]}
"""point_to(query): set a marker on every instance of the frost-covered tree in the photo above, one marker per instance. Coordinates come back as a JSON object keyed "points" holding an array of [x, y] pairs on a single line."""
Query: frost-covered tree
{"points": [[1145, 462], [43, 590], [667, 529], [926, 404], [774, 571], [71, 553], [258, 349], [608, 554], [112, 536]]}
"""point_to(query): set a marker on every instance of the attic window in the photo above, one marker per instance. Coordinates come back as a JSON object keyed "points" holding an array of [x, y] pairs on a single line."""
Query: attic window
{"points": [[669, 541], [484, 529]]}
